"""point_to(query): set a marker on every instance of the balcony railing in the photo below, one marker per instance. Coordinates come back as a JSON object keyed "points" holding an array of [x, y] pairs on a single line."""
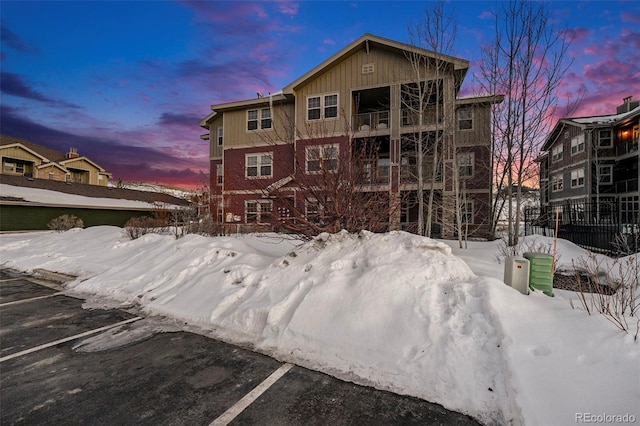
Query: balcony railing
{"points": [[378, 120], [431, 115], [374, 175], [627, 147], [623, 186]]}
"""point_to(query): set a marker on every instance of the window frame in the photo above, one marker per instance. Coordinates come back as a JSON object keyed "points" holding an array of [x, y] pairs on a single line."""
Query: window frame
{"points": [[577, 142], [261, 213], [578, 179], [610, 138], [259, 120], [259, 165], [322, 149], [467, 212], [471, 166], [610, 174], [322, 107], [220, 136], [557, 153], [219, 174], [461, 119], [557, 183]]}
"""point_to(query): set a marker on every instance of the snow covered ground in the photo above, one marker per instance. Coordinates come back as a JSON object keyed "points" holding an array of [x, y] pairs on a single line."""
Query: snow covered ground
{"points": [[395, 311]]}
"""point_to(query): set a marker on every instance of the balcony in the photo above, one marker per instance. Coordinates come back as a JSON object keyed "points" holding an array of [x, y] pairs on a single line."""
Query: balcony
{"points": [[377, 120], [371, 174], [431, 115], [630, 185], [627, 147]]}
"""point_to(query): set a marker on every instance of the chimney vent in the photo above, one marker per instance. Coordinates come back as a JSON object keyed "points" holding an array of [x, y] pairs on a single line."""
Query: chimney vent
{"points": [[73, 153]]}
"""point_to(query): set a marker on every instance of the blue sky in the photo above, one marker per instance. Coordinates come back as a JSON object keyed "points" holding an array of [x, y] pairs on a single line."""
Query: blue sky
{"points": [[127, 82]]}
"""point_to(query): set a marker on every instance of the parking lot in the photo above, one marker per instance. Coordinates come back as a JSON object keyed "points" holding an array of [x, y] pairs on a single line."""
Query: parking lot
{"points": [[62, 364]]}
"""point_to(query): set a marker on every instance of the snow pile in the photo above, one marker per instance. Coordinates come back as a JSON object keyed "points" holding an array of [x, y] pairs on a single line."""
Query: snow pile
{"points": [[395, 311]]}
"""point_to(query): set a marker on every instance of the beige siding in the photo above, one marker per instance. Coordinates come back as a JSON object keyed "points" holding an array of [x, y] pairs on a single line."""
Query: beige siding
{"points": [[236, 134], [390, 69], [215, 151], [82, 164], [20, 154], [480, 133]]}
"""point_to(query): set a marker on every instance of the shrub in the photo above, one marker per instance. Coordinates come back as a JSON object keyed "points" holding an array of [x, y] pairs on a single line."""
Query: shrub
{"points": [[65, 222], [139, 226], [622, 307]]}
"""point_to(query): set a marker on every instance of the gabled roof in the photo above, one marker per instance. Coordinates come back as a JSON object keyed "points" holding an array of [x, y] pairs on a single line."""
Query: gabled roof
{"points": [[365, 42], [43, 152], [67, 160], [589, 122]]}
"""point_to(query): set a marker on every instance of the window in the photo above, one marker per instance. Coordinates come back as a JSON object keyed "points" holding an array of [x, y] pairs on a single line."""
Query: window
{"points": [[219, 173], [319, 105], [605, 174], [264, 122], [258, 211], [556, 153], [577, 178], [604, 138], [322, 158], [368, 68], [258, 165], [466, 213], [9, 167], [577, 144], [557, 183], [465, 119], [50, 176], [465, 164], [67, 177], [313, 211], [265, 118], [219, 136]]}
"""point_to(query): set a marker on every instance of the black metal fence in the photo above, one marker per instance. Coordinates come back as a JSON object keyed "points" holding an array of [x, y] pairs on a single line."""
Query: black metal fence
{"points": [[599, 227]]}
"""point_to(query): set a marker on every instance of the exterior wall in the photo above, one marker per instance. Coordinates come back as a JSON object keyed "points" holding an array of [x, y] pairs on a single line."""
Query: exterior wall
{"points": [[44, 171], [19, 153], [38, 169], [237, 135], [391, 69]]}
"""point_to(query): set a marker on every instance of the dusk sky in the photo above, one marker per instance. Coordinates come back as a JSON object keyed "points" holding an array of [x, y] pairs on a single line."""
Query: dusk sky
{"points": [[128, 82]]}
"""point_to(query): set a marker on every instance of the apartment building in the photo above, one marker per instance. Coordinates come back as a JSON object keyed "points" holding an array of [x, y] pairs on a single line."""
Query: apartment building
{"points": [[264, 151], [593, 161]]}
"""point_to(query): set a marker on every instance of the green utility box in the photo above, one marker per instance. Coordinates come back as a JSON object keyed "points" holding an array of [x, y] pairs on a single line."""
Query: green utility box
{"points": [[540, 272]]}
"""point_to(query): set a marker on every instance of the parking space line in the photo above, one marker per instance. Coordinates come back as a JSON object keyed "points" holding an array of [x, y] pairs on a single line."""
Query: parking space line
{"points": [[239, 406], [67, 339], [15, 302]]}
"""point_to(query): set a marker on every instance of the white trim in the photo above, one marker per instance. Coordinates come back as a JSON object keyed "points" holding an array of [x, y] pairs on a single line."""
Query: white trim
{"points": [[322, 160], [258, 166], [322, 106]]}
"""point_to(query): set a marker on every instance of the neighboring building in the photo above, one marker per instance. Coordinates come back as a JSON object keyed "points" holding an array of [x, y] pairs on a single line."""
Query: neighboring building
{"points": [[21, 157], [589, 167], [266, 144]]}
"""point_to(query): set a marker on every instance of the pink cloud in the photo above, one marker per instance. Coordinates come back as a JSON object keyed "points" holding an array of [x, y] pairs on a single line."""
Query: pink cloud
{"points": [[287, 7], [630, 17]]}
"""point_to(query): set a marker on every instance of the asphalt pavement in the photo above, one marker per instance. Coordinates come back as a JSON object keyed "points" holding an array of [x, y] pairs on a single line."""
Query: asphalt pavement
{"points": [[66, 365]]}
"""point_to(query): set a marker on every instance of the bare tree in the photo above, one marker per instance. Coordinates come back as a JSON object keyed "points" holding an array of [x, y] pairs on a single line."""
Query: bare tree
{"points": [[526, 62], [332, 181], [437, 33], [423, 101]]}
